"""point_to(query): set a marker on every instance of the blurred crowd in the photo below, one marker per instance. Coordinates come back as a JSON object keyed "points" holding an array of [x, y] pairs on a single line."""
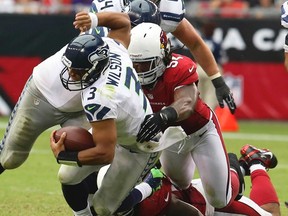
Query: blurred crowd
{"points": [[219, 8], [43, 6], [237, 8]]}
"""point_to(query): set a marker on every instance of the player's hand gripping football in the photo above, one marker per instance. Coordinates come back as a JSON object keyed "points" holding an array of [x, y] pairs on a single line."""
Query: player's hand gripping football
{"points": [[155, 123], [57, 147], [223, 93]]}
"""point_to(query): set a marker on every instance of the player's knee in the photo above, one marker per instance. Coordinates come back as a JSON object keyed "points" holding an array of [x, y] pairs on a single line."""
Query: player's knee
{"points": [[217, 203], [66, 177], [13, 160]]}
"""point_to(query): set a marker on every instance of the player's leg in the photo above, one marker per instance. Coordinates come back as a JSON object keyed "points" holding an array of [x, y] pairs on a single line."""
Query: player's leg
{"points": [[263, 198], [126, 170], [221, 184], [76, 183], [31, 116], [180, 167], [258, 161], [244, 206]]}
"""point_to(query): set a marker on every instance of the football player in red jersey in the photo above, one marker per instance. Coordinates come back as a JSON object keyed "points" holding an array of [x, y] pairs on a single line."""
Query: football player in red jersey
{"points": [[170, 82], [263, 197], [166, 199]]}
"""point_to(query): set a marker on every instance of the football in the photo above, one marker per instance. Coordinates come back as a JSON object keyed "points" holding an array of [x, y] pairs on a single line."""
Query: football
{"points": [[77, 138]]}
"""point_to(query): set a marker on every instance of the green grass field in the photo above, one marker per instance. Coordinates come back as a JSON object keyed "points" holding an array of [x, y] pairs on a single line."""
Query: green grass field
{"points": [[33, 189]]}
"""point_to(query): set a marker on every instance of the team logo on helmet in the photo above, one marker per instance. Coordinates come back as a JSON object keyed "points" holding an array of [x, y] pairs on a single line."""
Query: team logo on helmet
{"points": [[99, 54], [163, 40]]}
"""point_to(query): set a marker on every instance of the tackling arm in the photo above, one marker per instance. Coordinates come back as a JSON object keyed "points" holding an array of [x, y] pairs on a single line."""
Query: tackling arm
{"points": [[185, 98]]}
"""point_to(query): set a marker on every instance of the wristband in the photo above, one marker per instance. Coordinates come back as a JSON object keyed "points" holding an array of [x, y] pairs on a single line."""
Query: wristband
{"points": [[68, 158], [94, 20], [215, 76], [169, 115], [218, 82]]}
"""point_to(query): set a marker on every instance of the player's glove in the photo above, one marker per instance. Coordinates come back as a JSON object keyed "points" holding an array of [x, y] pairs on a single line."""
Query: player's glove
{"points": [[154, 179], [155, 123], [223, 93]]}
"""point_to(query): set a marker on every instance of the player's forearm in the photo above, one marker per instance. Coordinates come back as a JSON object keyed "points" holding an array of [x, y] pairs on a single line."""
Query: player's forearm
{"points": [[205, 59], [185, 99], [113, 20], [94, 156], [186, 33]]}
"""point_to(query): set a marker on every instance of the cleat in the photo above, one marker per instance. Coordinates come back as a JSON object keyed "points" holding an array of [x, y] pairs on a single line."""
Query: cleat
{"points": [[234, 164], [252, 155], [154, 179]]}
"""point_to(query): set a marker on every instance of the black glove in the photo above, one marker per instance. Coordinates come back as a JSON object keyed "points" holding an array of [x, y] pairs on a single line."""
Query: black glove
{"points": [[155, 123], [223, 93]]}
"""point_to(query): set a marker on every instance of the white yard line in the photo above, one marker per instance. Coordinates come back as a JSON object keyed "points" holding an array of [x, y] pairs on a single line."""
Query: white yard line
{"points": [[259, 137]]}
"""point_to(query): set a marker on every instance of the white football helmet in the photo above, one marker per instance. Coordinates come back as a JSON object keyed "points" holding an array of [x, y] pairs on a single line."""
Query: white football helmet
{"points": [[149, 44]]}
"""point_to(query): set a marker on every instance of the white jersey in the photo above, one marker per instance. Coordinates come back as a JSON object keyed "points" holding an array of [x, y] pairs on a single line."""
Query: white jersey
{"points": [[109, 5], [46, 76], [117, 94], [172, 12]]}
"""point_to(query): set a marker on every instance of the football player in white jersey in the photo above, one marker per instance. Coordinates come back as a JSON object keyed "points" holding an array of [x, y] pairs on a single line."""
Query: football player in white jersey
{"points": [[45, 103], [115, 106]]}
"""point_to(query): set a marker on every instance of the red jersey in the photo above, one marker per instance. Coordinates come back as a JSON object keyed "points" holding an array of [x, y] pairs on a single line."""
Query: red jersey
{"points": [[157, 204], [181, 71]]}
